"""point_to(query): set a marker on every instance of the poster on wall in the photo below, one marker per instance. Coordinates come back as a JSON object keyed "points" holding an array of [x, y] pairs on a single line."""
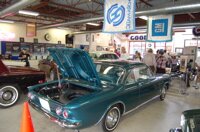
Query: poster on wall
{"points": [[30, 30], [119, 16], [15, 49], [160, 28]]}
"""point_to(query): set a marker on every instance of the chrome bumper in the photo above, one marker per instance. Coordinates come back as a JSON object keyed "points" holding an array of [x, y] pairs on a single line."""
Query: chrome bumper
{"points": [[62, 123]]}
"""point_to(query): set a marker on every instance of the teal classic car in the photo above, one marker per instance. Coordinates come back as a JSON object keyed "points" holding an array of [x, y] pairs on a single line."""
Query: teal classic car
{"points": [[90, 94], [190, 121]]}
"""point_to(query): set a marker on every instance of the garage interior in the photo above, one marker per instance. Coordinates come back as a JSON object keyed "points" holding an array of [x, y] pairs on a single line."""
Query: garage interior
{"points": [[82, 18]]}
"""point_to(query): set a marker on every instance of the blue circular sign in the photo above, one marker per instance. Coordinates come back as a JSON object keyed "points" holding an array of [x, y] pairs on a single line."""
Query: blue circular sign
{"points": [[116, 14], [196, 31]]}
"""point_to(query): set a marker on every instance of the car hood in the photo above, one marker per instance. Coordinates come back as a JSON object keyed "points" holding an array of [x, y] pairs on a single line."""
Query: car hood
{"points": [[75, 64]]}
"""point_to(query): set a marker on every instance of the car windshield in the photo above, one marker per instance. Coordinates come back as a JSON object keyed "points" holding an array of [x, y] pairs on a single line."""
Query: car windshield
{"points": [[110, 73], [191, 125]]}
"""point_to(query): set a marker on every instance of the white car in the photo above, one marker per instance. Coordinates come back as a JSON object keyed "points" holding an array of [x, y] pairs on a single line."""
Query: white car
{"points": [[103, 55]]}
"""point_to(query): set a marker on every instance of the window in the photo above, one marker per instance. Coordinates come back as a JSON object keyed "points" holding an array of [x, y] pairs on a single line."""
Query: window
{"points": [[138, 73], [110, 73]]}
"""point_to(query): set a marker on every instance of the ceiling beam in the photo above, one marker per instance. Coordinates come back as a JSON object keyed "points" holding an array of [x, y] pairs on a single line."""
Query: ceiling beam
{"points": [[42, 4], [191, 15], [72, 8], [25, 21], [95, 1], [38, 18], [147, 3]]}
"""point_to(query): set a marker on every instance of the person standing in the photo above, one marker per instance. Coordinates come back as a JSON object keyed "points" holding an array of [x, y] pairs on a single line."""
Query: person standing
{"points": [[23, 56], [157, 54], [138, 57], [161, 63], [150, 60], [197, 64], [124, 54]]}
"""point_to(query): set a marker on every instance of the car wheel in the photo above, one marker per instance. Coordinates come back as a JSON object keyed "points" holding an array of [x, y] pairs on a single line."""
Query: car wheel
{"points": [[111, 119], [163, 93], [9, 95]]}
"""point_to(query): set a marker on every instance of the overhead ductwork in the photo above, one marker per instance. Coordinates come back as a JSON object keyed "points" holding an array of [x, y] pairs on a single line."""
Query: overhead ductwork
{"points": [[15, 7], [176, 9], [186, 25]]}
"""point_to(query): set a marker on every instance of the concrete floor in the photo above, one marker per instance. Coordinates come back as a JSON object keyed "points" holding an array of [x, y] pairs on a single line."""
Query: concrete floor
{"points": [[156, 116]]}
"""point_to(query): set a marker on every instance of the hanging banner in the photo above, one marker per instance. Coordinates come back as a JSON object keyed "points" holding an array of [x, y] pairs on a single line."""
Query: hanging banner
{"points": [[119, 16], [160, 28]]}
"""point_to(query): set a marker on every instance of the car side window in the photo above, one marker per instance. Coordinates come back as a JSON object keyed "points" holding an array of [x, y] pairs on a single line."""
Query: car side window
{"points": [[142, 72], [131, 77], [102, 57], [114, 56], [137, 74]]}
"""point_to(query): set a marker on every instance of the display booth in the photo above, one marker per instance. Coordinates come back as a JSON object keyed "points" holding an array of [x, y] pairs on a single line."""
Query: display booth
{"points": [[11, 50]]}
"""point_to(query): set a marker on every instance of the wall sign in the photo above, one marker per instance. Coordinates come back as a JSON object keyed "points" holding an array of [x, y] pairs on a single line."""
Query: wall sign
{"points": [[119, 16], [196, 31], [7, 36], [35, 40], [138, 37], [21, 39], [30, 30], [160, 28]]}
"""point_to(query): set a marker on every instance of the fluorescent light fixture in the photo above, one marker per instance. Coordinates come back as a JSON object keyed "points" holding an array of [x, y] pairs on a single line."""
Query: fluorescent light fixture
{"points": [[31, 13], [64, 28], [144, 17], [6, 21], [93, 24], [77, 32]]}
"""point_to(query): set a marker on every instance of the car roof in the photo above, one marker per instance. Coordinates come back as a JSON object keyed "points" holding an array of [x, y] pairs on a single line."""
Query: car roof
{"points": [[122, 63], [98, 53]]}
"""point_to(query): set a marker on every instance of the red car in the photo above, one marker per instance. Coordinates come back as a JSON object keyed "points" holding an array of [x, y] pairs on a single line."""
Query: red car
{"points": [[14, 79]]}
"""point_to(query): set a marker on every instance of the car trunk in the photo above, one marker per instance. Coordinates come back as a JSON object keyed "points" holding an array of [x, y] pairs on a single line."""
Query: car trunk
{"points": [[66, 93]]}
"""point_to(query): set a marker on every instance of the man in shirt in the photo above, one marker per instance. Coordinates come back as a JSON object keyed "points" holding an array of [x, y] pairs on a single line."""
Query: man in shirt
{"points": [[23, 56], [161, 63], [150, 60]]}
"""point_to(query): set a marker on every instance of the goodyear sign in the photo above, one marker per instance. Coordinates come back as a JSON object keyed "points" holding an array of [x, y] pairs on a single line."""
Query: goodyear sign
{"points": [[119, 16], [160, 28]]}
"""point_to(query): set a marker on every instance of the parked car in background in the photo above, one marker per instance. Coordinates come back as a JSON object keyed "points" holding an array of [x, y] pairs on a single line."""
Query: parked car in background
{"points": [[103, 55], [49, 67], [14, 79], [92, 93], [190, 121]]}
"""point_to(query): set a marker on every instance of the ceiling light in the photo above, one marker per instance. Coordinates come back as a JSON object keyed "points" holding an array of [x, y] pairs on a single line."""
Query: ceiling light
{"points": [[143, 17], [31, 13], [77, 32], [93, 24], [6, 21], [64, 28]]}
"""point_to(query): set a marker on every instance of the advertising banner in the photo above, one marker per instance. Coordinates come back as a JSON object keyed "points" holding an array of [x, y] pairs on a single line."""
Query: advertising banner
{"points": [[119, 16], [160, 28], [30, 30]]}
